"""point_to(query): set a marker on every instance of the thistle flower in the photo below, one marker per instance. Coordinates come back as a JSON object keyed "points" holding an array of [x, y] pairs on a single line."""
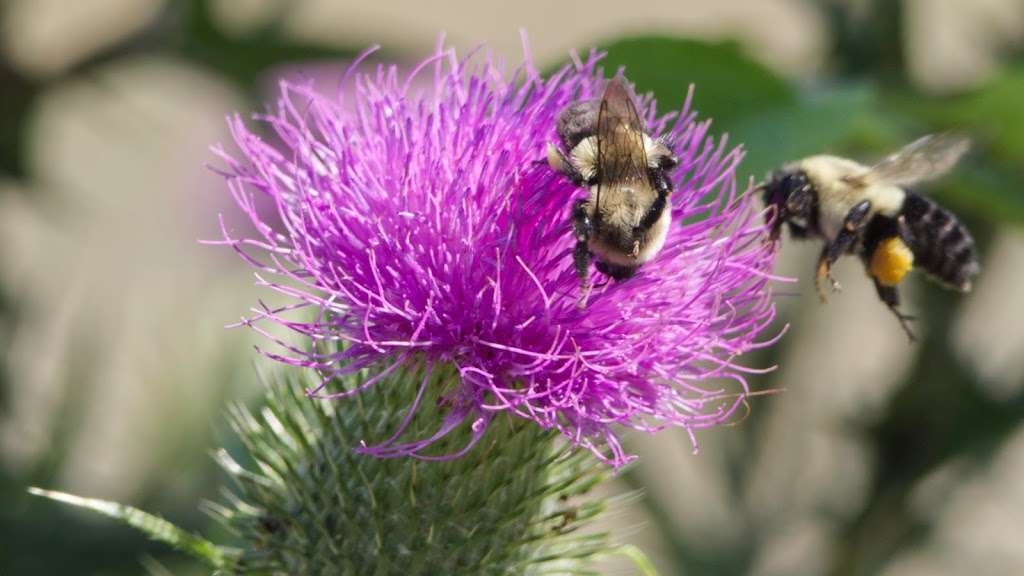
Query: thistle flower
{"points": [[422, 226]]}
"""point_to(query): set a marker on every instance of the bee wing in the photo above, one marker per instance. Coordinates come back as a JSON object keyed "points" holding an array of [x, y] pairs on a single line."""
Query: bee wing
{"points": [[924, 159], [621, 156]]}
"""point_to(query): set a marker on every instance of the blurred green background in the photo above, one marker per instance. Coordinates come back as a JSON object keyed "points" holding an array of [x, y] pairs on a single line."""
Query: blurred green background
{"points": [[879, 458]]}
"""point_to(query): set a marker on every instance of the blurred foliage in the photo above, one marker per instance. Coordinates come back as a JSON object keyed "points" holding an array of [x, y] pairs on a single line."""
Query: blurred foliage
{"points": [[37, 537], [864, 106], [867, 39], [186, 29], [730, 85]]}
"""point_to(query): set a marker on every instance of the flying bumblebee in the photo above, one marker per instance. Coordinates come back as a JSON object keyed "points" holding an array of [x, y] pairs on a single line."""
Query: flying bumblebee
{"points": [[869, 211], [625, 218]]}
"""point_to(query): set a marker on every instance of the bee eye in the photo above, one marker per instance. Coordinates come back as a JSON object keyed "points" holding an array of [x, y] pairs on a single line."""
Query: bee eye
{"points": [[780, 186], [793, 181]]}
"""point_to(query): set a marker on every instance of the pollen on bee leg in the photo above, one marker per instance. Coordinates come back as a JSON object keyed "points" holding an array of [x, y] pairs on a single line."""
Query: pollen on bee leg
{"points": [[822, 272], [891, 262], [825, 271]]}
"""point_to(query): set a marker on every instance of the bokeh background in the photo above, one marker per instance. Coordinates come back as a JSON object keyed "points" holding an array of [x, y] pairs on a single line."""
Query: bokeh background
{"points": [[876, 457]]}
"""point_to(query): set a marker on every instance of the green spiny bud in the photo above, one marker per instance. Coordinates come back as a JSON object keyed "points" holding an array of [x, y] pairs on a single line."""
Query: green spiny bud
{"points": [[309, 503]]}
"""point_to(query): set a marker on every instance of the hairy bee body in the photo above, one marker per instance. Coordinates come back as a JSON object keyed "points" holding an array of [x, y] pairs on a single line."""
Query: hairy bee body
{"points": [[871, 212], [838, 193], [615, 243], [625, 219]]}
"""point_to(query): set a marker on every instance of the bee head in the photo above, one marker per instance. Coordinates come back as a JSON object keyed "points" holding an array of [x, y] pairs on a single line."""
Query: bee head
{"points": [[790, 193]]}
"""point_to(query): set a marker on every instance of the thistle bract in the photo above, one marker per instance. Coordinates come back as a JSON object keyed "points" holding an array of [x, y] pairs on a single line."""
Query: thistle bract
{"points": [[415, 221]]}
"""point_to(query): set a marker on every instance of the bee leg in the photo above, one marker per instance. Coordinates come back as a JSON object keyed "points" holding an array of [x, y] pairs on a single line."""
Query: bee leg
{"points": [[561, 164], [829, 254], [663, 187], [582, 229], [891, 296], [843, 243], [824, 270]]}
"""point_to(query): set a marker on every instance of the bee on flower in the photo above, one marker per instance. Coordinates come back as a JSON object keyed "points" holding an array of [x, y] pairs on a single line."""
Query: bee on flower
{"points": [[427, 226]]}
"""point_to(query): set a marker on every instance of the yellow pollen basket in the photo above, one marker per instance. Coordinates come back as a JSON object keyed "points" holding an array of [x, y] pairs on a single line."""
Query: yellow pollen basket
{"points": [[891, 262]]}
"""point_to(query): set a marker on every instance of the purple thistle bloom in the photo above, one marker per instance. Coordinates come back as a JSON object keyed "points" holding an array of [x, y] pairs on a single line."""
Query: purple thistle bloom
{"points": [[427, 225]]}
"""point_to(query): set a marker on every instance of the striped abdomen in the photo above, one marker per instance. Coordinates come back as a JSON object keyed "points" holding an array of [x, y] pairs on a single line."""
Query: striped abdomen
{"points": [[941, 244]]}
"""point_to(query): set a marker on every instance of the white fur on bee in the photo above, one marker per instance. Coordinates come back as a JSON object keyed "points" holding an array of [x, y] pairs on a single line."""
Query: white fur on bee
{"points": [[841, 184], [584, 155], [652, 243]]}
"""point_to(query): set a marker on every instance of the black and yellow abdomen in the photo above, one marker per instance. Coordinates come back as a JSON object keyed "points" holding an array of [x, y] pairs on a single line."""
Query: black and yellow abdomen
{"points": [[941, 244], [923, 235]]}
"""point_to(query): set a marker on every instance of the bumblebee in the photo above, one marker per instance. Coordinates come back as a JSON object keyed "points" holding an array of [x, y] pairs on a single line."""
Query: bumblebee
{"points": [[625, 218], [869, 211]]}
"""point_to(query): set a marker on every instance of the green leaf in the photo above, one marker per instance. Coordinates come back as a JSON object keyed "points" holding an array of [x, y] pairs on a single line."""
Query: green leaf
{"points": [[818, 123], [990, 180], [155, 527], [995, 112], [729, 84], [985, 190]]}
